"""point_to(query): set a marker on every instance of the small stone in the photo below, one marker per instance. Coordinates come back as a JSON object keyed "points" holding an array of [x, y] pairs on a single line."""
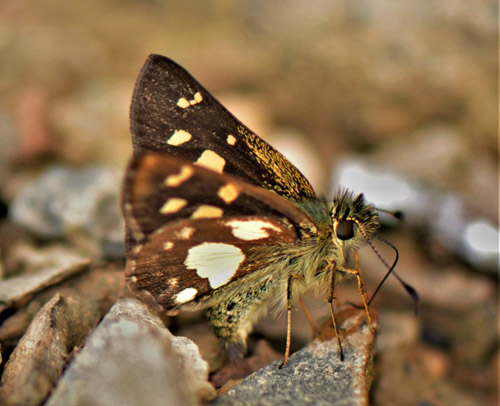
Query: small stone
{"points": [[41, 355], [65, 202], [16, 288], [132, 359]]}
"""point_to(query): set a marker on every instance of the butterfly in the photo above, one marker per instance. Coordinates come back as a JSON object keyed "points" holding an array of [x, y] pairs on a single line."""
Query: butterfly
{"points": [[216, 217]]}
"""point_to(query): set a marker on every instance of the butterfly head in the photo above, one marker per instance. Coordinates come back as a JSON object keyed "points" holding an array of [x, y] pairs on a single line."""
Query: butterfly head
{"points": [[354, 220]]}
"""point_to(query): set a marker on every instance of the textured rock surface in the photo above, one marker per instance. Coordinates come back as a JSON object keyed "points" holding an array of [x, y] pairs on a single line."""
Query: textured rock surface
{"points": [[18, 288], [41, 355], [68, 202], [314, 375]]}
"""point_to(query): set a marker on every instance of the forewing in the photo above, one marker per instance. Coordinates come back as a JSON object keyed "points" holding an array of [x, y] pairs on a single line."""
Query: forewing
{"points": [[172, 113], [187, 259]]}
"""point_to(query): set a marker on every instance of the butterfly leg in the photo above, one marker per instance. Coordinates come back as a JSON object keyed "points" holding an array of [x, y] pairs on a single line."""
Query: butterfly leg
{"points": [[289, 320], [331, 298], [362, 291]]}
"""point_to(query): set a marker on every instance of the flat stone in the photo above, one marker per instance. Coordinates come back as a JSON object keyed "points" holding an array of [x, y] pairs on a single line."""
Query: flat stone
{"points": [[314, 375], [100, 284], [15, 289]]}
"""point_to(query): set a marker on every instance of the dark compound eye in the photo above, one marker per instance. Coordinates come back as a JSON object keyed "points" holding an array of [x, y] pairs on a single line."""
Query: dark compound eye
{"points": [[345, 229]]}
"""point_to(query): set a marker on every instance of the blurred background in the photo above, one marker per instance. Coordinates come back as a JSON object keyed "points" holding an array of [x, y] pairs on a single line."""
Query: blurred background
{"points": [[397, 99]]}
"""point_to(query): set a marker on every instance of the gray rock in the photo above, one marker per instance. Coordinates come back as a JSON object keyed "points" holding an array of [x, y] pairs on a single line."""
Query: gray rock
{"points": [[13, 290], [65, 202], [314, 375], [131, 359]]}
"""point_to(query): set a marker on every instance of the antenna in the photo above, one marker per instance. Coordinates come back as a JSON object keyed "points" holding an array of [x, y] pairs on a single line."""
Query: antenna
{"points": [[409, 289], [396, 213]]}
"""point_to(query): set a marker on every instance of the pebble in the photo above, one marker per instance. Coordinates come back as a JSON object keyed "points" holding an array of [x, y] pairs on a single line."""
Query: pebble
{"points": [[132, 359], [66, 202]]}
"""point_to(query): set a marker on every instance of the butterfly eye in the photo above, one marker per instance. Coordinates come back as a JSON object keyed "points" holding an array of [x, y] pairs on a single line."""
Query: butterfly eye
{"points": [[345, 229]]}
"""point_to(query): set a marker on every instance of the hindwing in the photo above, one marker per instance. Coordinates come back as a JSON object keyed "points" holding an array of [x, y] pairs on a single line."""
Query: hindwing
{"points": [[187, 259], [191, 230]]}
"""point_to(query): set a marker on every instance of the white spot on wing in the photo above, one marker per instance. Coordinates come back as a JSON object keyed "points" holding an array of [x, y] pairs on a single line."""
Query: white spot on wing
{"points": [[211, 160], [179, 137], [185, 103], [231, 140], [173, 205], [197, 98], [229, 192], [185, 233], [216, 261], [168, 245], [175, 180], [206, 211], [249, 230], [185, 295]]}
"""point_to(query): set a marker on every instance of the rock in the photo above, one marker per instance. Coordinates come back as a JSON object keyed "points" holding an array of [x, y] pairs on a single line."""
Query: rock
{"points": [[66, 202], [101, 285], [314, 375], [41, 355], [17, 288], [132, 359]]}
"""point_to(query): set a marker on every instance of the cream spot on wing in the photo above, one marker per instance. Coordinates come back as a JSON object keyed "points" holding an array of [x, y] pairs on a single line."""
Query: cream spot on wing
{"points": [[185, 295], [206, 211], [179, 137], [133, 279], [173, 205], [185, 233], [175, 180], [197, 98], [173, 282], [183, 103], [229, 192], [249, 230], [216, 261], [211, 160], [231, 139], [168, 245], [137, 249]]}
